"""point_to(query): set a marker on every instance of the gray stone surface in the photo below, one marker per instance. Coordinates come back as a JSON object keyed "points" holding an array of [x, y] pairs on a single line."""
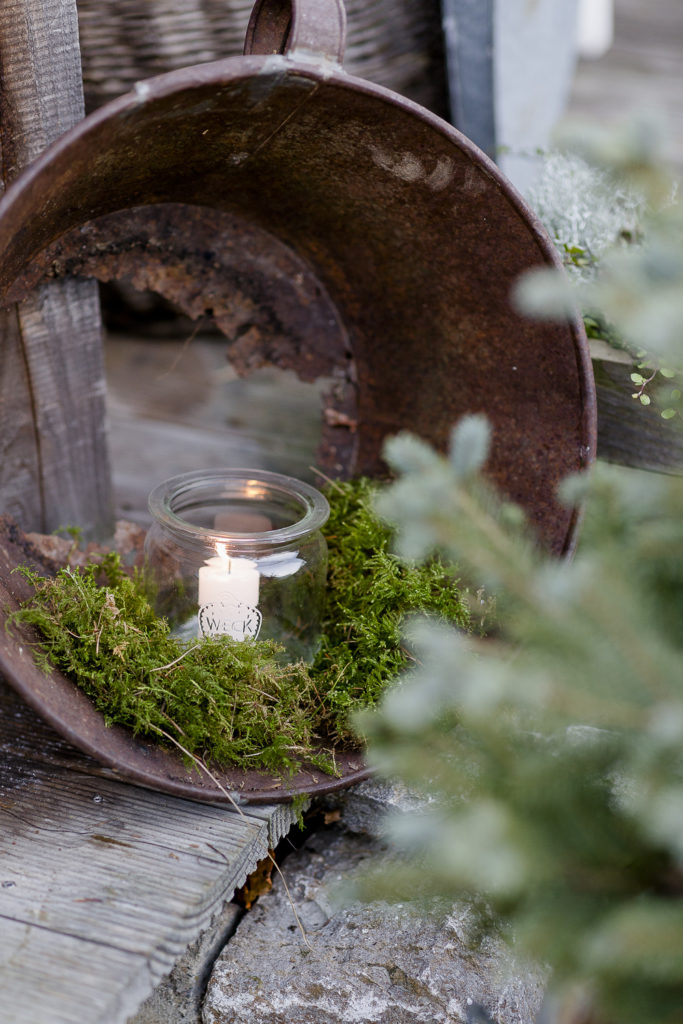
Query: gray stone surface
{"points": [[364, 808], [178, 999], [367, 964]]}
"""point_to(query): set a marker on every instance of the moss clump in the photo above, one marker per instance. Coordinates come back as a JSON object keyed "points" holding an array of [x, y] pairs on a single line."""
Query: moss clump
{"points": [[370, 592], [223, 701], [235, 703]]}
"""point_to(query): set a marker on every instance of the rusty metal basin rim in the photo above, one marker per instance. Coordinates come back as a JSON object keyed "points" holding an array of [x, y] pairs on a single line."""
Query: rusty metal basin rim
{"points": [[414, 235]]}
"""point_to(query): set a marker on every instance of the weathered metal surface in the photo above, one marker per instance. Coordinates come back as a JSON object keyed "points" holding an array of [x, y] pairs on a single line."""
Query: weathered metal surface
{"points": [[216, 266], [395, 228], [70, 713], [279, 26], [415, 236]]}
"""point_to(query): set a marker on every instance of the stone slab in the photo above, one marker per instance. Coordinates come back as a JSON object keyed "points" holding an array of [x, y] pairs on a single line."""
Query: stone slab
{"points": [[361, 964]]}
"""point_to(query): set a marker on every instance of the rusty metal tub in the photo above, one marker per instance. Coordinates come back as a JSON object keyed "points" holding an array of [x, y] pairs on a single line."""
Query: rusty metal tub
{"points": [[327, 225]]}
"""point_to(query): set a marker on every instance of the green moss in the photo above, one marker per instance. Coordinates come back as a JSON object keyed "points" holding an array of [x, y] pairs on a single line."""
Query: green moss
{"points": [[235, 703], [370, 592], [224, 701]]}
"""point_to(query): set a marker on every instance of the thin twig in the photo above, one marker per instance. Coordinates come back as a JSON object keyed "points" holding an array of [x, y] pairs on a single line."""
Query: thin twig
{"points": [[182, 352], [200, 764], [179, 658], [327, 479]]}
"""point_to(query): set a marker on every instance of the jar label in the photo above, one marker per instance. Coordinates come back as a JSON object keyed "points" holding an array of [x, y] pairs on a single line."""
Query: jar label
{"points": [[229, 617]]}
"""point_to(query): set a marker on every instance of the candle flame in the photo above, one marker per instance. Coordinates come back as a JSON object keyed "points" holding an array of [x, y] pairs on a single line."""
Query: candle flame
{"points": [[222, 552]]}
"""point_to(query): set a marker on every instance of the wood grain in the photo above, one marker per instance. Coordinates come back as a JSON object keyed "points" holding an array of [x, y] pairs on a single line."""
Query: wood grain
{"points": [[468, 29], [629, 433], [102, 884], [50, 346], [19, 462], [643, 71], [396, 43]]}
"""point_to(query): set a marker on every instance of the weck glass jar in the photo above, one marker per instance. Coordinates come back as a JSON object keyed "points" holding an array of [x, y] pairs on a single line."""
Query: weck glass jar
{"points": [[239, 552]]}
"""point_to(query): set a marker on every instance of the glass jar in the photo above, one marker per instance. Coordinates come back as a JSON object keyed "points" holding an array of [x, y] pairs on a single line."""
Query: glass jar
{"points": [[239, 552]]}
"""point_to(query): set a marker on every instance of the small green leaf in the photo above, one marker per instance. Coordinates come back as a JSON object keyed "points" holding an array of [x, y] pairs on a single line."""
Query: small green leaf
{"points": [[637, 378], [675, 394], [668, 414], [667, 373], [645, 399]]}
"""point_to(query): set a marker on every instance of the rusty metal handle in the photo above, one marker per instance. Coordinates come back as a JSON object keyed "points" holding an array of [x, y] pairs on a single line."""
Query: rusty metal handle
{"points": [[316, 27]]}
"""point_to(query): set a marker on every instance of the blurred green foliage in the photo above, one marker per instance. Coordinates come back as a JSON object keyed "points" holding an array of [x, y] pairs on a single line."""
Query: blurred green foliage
{"points": [[552, 753], [611, 205], [370, 591]]}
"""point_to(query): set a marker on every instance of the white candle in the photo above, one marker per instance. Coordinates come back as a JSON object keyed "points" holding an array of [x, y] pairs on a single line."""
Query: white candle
{"points": [[596, 27], [228, 597]]}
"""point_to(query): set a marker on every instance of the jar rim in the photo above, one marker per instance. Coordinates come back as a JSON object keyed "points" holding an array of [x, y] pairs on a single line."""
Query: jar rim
{"points": [[315, 507]]}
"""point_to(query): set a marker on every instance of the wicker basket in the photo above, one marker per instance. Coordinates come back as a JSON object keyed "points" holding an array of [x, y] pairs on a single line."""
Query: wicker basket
{"points": [[396, 43]]}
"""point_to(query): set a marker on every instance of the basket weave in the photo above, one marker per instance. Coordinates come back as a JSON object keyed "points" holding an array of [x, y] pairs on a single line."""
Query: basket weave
{"points": [[396, 43]]}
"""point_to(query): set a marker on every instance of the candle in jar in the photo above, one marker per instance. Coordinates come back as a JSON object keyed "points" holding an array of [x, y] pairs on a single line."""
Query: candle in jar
{"points": [[228, 597]]}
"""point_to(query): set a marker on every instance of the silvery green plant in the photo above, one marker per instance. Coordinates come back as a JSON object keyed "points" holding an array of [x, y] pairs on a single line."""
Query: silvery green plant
{"points": [[586, 210], [552, 752], [634, 291]]}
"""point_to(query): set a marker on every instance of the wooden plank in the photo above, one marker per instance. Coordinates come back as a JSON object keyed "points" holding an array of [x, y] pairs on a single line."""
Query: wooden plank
{"points": [[643, 71], [59, 333], [103, 885], [62, 340], [629, 433], [468, 35], [40, 981], [19, 462]]}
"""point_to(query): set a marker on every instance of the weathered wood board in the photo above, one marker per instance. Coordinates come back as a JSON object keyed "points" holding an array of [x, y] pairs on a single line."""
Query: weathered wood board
{"points": [[54, 467], [630, 434], [102, 884], [642, 71]]}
